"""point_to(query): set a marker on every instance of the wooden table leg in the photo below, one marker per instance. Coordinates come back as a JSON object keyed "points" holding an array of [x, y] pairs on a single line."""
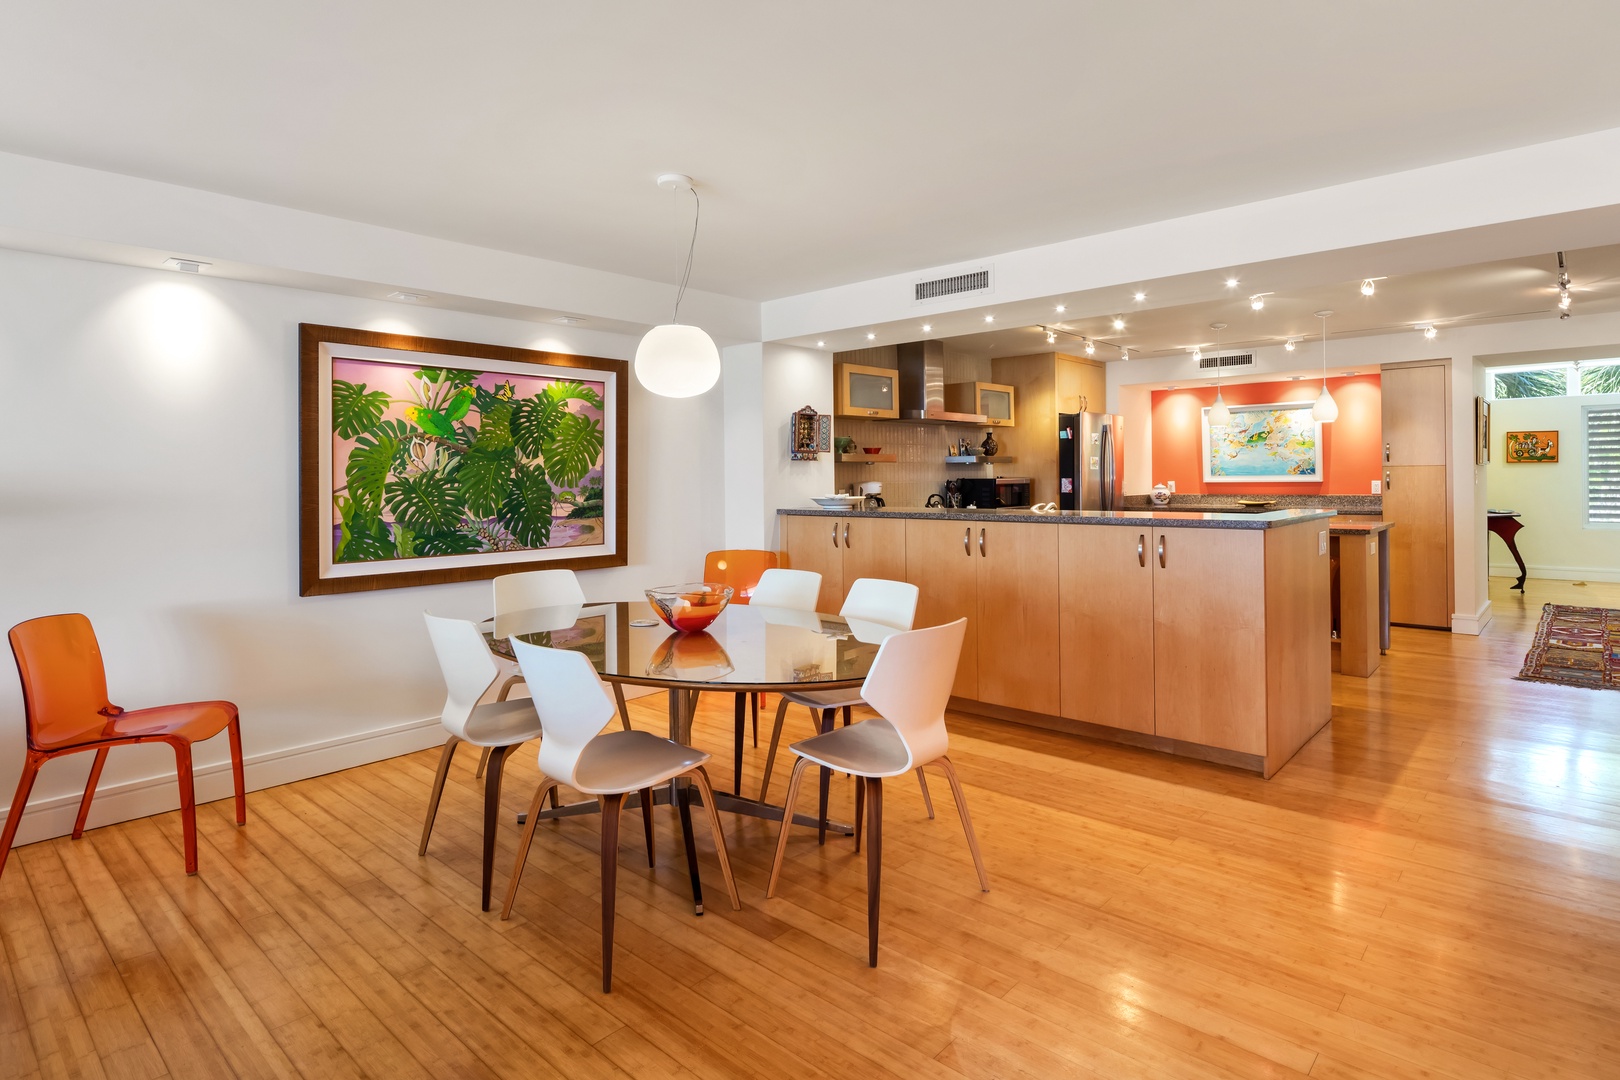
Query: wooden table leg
{"points": [[827, 718]]}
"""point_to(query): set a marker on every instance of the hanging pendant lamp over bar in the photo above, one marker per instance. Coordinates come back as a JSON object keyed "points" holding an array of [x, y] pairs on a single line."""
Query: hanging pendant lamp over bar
{"points": [[1325, 409], [674, 360], [1219, 414]]}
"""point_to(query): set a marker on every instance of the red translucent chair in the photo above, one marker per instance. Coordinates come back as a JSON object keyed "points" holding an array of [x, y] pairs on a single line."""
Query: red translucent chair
{"points": [[67, 712], [741, 568]]}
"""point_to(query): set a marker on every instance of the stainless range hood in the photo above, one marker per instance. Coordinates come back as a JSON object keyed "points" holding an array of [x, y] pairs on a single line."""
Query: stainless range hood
{"points": [[922, 384]]}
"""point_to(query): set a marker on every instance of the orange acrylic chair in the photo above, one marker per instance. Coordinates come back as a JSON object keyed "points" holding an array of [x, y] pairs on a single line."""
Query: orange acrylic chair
{"points": [[741, 568], [66, 712]]}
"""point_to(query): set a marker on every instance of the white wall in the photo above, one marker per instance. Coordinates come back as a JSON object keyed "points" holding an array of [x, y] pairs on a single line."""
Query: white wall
{"points": [[150, 481], [1556, 542]]}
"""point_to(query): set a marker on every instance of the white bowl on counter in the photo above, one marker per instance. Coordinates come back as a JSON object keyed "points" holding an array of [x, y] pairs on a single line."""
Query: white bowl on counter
{"points": [[837, 502]]}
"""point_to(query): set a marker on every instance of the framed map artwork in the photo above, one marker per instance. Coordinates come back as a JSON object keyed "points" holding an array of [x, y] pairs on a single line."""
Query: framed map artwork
{"points": [[1278, 443]]}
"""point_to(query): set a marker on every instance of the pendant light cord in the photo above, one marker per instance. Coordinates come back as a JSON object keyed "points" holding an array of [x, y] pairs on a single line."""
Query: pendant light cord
{"points": [[686, 273], [1324, 354]]}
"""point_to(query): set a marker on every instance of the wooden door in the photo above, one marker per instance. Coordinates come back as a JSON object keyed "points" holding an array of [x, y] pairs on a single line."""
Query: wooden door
{"points": [[941, 562], [1415, 502], [1415, 407], [1018, 614], [874, 548], [1209, 637], [813, 543], [1105, 626]]}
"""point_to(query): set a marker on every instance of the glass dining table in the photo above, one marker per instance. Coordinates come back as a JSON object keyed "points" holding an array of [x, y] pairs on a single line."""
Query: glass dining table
{"points": [[748, 649]]}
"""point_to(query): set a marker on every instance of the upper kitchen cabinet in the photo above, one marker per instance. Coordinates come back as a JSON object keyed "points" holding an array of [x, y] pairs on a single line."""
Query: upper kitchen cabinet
{"points": [[1415, 428], [994, 401], [871, 393]]}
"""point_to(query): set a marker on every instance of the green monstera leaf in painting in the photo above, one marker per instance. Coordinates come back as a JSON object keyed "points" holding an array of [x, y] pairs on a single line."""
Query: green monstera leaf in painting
{"points": [[575, 446], [485, 477], [367, 471], [426, 503], [526, 511], [356, 410], [532, 422], [574, 391], [448, 543]]}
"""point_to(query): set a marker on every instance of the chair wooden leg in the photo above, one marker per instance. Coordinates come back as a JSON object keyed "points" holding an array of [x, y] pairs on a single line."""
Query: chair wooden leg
{"points": [[967, 823], [546, 784], [739, 720], [445, 755], [188, 801], [89, 792], [701, 775], [611, 805], [787, 820], [753, 706], [237, 776], [506, 687], [647, 824], [483, 763], [860, 809], [683, 800], [770, 755], [492, 814], [847, 711], [624, 710], [922, 782], [19, 803], [874, 864]]}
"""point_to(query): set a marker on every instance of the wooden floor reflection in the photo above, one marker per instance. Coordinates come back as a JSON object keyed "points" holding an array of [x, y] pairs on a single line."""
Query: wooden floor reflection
{"points": [[1430, 889]]}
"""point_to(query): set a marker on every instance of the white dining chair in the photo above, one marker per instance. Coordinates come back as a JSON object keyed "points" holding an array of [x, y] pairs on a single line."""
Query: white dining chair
{"points": [[469, 671], [876, 601], [525, 592], [573, 707], [909, 686]]}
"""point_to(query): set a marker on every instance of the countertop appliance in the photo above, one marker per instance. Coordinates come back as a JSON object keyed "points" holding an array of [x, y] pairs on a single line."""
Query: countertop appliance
{"points": [[1091, 461]]}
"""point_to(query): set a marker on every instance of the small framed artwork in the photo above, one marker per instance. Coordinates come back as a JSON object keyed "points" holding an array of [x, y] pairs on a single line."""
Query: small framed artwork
{"points": [[423, 461], [1482, 431], [1531, 447], [1281, 442]]}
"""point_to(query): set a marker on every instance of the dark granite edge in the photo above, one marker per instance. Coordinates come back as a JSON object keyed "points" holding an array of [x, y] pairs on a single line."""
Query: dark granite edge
{"points": [[1218, 503], [1176, 520]]}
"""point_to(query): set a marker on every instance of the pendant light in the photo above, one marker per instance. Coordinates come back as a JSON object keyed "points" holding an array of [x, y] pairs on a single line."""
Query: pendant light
{"points": [[674, 360], [1219, 414], [1325, 409]]}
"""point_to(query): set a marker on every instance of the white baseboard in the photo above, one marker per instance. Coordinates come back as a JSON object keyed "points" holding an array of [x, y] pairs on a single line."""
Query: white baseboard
{"points": [[1474, 624], [158, 794], [1559, 573]]}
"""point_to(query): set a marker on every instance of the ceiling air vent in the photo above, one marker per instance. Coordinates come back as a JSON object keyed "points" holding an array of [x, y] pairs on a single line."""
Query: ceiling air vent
{"points": [[974, 281], [1234, 360]]}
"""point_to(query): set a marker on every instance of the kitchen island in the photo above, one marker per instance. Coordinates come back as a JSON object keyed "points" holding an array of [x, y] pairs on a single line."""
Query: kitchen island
{"points": [[1202, 634]]}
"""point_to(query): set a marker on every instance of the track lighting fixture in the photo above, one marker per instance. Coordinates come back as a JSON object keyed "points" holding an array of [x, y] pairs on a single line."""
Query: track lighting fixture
{"points": [[1124, 353], [1290, 344], [1051, 338], [1091, 347], [1198, 355], [1429, 331], [1326, 409], [1563, 288], [1258, 300], [1369, 285]]}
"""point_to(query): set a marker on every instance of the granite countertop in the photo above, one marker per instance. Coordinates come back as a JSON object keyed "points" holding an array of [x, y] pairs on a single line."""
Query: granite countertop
{"points": [[1138, 518], [1359, 526]]}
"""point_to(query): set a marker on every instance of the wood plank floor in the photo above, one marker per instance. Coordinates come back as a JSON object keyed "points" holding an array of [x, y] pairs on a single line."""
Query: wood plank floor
{"points": [[1430, 889]]}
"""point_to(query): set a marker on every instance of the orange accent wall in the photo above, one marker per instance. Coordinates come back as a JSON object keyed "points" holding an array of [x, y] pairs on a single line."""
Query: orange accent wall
{"points": [[1352, 456]]}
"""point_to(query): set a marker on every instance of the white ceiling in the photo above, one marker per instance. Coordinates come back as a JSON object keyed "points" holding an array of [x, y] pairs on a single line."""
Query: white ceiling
{"points": [[833, 142]]}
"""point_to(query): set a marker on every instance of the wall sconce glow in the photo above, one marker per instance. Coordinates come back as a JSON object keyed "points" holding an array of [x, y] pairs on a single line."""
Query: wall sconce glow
{"points": [[186, 266], [676, 360], [176, 326]]}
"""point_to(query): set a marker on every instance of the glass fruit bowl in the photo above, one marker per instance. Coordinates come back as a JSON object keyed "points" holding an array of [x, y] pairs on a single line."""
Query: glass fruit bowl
{"points": [[690, 607]]}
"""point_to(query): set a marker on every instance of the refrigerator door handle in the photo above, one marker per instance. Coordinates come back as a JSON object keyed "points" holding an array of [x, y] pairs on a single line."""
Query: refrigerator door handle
{"points": [[1106, 479]]}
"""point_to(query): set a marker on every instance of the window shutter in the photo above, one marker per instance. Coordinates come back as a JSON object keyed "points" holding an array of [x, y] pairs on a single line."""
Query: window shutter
{"points": [[1603, 465]]}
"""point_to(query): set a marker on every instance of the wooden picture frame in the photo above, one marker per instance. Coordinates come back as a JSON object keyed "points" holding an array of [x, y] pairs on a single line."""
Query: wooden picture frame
{"points": [[1531, 448], [1482, 431], [457, 461]]}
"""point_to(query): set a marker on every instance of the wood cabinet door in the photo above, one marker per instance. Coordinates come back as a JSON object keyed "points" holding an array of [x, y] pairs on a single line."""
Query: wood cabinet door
{"points": [[1419, 548], [1415, 406], [814, 543], [874, 548], [1209, 637], [1018, 614], [942, 563], [1105, 626]]}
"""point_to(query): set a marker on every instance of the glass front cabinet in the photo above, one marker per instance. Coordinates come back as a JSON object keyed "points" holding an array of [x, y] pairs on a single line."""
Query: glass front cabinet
{"points": [[868, 392], [993, 400]]}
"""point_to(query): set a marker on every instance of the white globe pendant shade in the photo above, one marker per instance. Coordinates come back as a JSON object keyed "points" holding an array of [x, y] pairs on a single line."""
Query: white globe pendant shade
{"points": [[1219, 414], [1325, 409], [677, 361]]}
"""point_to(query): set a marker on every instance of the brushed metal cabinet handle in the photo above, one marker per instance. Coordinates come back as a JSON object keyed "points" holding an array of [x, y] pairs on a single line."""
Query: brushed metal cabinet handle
{"points": [[846, 534], [1161, 551], [1387, 484], [967, 539], [1141, 549], [981, 544], [835, 534], [1386, 453]]}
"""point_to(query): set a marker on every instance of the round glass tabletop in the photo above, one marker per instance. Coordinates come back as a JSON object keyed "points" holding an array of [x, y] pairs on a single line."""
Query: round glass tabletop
{"points": [[749, 647]]}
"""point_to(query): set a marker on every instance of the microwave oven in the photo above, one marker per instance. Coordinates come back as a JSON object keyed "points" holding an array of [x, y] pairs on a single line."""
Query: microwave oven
{"points": [[987, 492]]}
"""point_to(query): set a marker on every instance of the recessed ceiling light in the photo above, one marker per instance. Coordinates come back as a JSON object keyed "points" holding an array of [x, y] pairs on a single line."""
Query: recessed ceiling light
{"points": [[1172, 388], [928, 327], [989, 318], [1060, 309], [1119, 323], [565, 320], [1231, 283], [1295, 378], [821, 344], [1347, 374], [186, 266], [1140, 297], [413, 297], [871, 337]]}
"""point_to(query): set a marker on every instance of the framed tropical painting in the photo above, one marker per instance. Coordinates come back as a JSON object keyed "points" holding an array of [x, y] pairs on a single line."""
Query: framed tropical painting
{"points": [[1280, 442], [424, 461]]}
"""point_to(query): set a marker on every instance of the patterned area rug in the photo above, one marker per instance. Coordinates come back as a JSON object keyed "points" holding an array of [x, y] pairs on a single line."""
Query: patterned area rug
{"points": [[1575, 646]]}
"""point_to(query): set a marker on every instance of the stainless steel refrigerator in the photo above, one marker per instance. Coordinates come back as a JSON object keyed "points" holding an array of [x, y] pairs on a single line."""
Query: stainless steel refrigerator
{"points": [[1091, 461]]}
